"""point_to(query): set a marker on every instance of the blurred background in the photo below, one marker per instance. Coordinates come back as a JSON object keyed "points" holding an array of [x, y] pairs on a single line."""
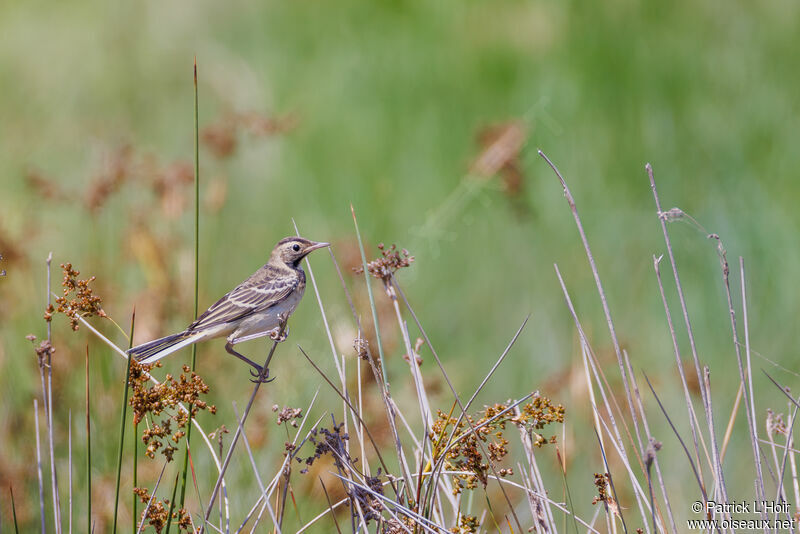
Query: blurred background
{"points": [[427, 117]]}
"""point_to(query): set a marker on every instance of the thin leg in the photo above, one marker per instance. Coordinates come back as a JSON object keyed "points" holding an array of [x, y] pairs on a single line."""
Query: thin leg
{"points": [[260, 374]]}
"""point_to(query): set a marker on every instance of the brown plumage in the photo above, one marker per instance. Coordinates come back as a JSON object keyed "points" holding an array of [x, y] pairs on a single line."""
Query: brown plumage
{"points": [[257, 307]]}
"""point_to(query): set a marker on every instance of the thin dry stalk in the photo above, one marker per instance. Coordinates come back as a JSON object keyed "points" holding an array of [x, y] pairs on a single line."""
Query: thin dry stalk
{"points": [[749, 373], [606, 310], [235, 439], [719, 488], [618, 508], [381, 378], [694, 425], [39, 463], [255, 470], [330, 505], [541, 511], [680, 440], [726, 438], [743, 379], [463, 411], [150, 501], [687, 322], [49, 409], [780, 491], [590, 361], [643, 415], [69, 460], [435, 478], [265, 496]]}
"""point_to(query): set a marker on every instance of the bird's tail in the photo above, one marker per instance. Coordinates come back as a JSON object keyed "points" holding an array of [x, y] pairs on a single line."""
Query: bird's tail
{"points": [[158, 348]]}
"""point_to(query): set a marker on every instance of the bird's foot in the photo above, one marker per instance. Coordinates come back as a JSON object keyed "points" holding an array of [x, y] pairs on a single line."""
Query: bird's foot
{"points": [[261, 376], [279, 335]]}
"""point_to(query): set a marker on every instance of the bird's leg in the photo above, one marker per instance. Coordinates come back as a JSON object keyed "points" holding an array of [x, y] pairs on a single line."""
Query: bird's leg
{"points": [[260, 375]]}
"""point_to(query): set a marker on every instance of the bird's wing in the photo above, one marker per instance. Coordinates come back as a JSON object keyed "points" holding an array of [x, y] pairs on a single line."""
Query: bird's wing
{"points": [[249, 297]]}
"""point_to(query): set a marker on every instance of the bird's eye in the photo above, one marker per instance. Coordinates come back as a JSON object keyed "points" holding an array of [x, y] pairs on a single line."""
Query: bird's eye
{"points": [[296, 247]]}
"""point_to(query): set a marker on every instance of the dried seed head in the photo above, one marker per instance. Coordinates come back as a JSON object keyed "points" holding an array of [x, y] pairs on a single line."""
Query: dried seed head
{"points": [[289, 415], [361, 347], [387, 264], [78, 299], [153, 400]]}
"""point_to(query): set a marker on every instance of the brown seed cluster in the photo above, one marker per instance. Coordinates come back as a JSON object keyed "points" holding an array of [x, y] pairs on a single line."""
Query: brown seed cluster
{"points": [[775, 424], [361, 346], [155, 399], [328, 442], [289, 415], [387, 263], [459, 443], [467, 524], [401, 525], [158, 512], [44, 351], [78, 298], [332, 443], [601, 483]]}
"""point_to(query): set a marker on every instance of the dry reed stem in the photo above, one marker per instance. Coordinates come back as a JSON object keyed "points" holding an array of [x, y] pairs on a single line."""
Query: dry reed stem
{"points": [[694, 424], [643, 415], [236, 435], [457, 399], [682, 300], [606, 310]]}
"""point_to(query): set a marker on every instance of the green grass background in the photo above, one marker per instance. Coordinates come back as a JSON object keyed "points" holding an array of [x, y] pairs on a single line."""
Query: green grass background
{"points": [[389, 98]]}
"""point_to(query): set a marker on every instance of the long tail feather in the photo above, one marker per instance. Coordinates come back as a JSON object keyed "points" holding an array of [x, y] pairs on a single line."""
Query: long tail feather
{"points": [[155, 350]]}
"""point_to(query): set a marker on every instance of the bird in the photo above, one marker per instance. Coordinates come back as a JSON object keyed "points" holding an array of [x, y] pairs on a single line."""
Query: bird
{"points": [[257, 307]]}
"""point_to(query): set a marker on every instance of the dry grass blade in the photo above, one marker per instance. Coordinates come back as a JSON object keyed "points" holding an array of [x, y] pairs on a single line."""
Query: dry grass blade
{"points": [[618, 510], [637, 396], [48, 394], [39, 463], [69, 463], [749, 374], [450, 441], [88, 448], [463, 411], [677, 435], [267, 493], [589, 360], [693, 422], [606, 310], [382, 377], [236, 435], [679, 287], [743, 379], [150, 501], [255, 468], [423, 522], [330, 505], [346, 400]]}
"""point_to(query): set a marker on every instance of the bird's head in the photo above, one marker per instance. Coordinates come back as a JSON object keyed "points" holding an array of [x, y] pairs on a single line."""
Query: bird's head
{"points": [[291, 250]]}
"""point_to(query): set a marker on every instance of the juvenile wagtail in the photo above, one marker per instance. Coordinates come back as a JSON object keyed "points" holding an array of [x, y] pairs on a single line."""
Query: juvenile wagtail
{"points": [[257, 307]]}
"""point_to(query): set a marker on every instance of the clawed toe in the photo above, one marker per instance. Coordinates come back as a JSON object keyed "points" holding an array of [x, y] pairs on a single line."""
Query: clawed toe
{"points": [[262, 376]]}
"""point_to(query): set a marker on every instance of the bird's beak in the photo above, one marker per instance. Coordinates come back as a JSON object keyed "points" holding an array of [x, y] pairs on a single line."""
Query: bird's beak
{"points": [[315, 246]]}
